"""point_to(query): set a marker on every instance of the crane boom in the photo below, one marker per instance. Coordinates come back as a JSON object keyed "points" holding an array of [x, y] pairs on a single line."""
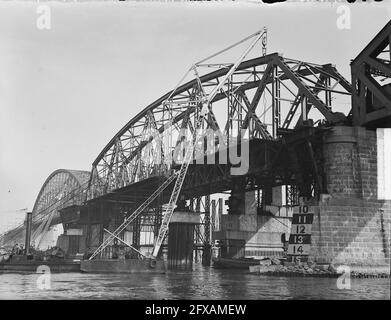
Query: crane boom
{"points": [[205, 106], [134, 215]]}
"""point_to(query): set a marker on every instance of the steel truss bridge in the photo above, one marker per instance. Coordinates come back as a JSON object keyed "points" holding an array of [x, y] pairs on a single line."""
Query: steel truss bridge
{"points": [[61, 189], [276, 105]]}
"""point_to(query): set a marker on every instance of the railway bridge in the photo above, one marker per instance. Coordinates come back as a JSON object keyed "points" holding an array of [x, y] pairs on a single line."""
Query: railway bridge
{"points": [[271, 139]]}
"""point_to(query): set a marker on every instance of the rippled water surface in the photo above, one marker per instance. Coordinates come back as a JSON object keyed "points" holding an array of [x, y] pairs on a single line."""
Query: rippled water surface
{"points": [[202, 283]]}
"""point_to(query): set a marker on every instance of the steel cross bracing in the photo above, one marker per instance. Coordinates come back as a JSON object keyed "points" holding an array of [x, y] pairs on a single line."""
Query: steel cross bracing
{"points": [[174, 196], [204, 112], [201, 102], [371, 79], [262, 96], [134, 215]]}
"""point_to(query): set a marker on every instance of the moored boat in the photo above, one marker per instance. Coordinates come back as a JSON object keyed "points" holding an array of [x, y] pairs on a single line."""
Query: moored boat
{"points": [[32, 261], [242, 263], [36, 266], [123, 266]]}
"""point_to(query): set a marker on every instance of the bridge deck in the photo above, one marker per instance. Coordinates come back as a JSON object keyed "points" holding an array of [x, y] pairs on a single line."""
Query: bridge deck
{"points": [[134, 193]]}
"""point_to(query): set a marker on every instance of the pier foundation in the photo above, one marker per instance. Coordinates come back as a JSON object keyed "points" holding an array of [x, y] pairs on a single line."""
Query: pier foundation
{"points": [[181, 239], [351, 224], [248, 232]]}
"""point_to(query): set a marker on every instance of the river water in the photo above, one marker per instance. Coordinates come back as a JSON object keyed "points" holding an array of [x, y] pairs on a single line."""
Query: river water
{"points": [[201, 283]]}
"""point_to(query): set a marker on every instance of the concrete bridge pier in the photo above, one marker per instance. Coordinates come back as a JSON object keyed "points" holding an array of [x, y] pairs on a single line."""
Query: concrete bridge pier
{"points": [[248, 231], [181, 239]]}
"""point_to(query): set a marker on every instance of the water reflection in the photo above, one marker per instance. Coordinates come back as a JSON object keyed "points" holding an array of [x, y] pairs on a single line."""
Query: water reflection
{"points": [[201, 283]]}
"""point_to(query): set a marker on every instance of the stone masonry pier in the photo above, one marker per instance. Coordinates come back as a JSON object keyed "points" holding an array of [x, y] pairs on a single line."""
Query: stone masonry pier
{"points": [[351, 225]]}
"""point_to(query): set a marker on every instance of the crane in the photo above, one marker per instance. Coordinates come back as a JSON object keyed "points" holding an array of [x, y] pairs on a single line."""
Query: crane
{"points": [[203, 104]]}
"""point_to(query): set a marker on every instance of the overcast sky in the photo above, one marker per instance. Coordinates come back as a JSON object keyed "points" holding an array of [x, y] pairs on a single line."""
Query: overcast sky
{"points": [[65, 92]]}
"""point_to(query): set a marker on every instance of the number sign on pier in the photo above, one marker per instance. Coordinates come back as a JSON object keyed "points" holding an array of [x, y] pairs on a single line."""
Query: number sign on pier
{"points": [[300, 238]]}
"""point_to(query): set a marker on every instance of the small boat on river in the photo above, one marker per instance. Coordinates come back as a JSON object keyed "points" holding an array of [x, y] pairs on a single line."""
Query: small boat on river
{"points": [[230, 263]]}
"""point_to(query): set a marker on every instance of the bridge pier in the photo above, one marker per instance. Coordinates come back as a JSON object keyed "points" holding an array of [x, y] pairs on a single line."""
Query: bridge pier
{"points": [[351, 225], [249, 229], [181, 239]]}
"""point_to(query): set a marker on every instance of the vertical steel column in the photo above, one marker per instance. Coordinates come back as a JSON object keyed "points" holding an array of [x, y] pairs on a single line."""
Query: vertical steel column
{"points": [[88, 238], [101, 234], [304, 108], [219, 213], [158, 213], [213, 219], [198, 210], [276, 102], [115, 214], [230, 111], [328, 93], [198, 205], [136, 232], [29, 219], [239, 111], [206, 254]]}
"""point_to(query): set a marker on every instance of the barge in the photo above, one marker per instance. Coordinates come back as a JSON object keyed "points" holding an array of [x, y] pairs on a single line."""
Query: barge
{"points": [[33, 266], [230, 263], [123, 266], [25, 261]]}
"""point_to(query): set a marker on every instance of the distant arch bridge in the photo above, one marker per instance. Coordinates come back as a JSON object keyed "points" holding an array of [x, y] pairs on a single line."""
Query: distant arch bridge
{"points": [[61, 188]]}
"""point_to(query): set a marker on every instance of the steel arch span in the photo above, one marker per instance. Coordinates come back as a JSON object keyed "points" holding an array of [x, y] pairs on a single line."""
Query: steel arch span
{"points": [[62, 188], [262, 97]]}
